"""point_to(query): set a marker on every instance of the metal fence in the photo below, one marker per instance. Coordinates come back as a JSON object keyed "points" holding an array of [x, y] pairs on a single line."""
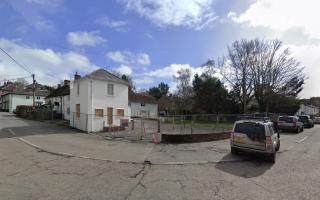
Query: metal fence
{"points": [[149, 129]]}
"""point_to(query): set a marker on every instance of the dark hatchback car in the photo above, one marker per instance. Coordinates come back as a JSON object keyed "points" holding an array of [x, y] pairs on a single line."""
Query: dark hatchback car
{"points": [[306, 120]]}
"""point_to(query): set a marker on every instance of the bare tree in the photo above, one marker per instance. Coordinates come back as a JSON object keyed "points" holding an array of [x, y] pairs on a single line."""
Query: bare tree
{"points": [[260, 69], [274, 71], [184, 91], [235, 70]]}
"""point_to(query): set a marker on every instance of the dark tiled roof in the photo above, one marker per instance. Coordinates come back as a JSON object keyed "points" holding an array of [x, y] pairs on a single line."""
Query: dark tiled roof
{"points": [[104, 75], [61, 91], [141, 98]]}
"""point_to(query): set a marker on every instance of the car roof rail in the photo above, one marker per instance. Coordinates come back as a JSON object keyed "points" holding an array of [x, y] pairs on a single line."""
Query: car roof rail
{"points": [[260, 119]]}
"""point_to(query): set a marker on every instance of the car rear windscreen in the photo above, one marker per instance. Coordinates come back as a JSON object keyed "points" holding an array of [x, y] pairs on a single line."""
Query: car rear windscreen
{"points": [[303, 118], [253, 130], [286, 119]]}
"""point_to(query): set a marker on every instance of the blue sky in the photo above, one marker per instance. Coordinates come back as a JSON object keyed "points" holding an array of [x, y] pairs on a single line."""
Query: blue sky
{"points": [[148, 39]]}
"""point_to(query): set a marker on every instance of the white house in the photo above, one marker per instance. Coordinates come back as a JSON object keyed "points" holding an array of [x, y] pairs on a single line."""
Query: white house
{"points": [[99, 102], [60, 99], [308, 110], [143, 105], [10, 100]]}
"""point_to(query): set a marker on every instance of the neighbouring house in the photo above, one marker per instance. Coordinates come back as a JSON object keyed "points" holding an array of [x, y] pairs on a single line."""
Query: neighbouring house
{"points": [[10, 100], [60, 100], [308, 110], [99, 102], [143, 105], [14, 94]]}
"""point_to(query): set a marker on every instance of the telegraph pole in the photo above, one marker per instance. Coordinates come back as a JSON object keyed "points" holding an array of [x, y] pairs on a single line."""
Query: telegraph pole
{"points": [[34, 91]]}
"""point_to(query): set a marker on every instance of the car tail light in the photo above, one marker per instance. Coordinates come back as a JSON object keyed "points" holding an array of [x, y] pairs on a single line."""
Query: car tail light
{"points": [[268, 140], [231, 135], [295, 124]]}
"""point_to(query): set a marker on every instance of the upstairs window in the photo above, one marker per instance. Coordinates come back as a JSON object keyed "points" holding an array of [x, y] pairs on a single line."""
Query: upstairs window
{"points": [[110, 89], [27, 97], [78, 89]]}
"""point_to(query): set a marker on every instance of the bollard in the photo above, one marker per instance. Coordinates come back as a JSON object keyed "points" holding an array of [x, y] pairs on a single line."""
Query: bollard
{"points": [[158, 125]]}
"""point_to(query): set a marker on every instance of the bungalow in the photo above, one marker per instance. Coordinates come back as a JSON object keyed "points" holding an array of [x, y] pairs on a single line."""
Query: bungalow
{"points": [[143, 105], [60, 99], [99, 102]]}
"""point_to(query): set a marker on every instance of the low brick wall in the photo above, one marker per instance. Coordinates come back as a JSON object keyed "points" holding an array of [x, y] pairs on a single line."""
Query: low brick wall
{"points": [[193, 138]]}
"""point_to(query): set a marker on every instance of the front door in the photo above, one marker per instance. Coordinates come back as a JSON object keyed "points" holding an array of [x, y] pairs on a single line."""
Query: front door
{"points": [[110, 115]]}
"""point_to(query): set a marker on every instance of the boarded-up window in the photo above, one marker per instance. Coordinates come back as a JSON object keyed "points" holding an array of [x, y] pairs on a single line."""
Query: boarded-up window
{"points": [[110, 115], [78, 110], [120, 112], [110, 89], [99, 112]]}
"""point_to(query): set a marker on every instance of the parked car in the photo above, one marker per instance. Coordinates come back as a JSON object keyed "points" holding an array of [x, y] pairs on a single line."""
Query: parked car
{"points": [[317, 120], [255, 136], [306, 120], [290, 123]]}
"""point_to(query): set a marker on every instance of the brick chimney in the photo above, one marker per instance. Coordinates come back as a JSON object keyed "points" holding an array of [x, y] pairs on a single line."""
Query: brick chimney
{"points": [[66, 82], [77, 76]]}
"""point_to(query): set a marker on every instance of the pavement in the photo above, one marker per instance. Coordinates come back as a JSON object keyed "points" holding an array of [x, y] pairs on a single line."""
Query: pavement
{"points": [[45, 161]]}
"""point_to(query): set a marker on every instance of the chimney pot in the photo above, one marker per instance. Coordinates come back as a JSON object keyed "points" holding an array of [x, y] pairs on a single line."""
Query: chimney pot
{"points": [[77, 76], [66, 82]]}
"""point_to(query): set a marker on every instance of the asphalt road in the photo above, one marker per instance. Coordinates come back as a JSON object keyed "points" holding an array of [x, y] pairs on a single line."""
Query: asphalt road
{"points": [[26, 173]]}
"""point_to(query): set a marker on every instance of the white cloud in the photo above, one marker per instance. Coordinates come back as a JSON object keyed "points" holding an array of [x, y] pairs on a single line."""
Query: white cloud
{"points": [[143, 59], [123, 69], [128, 57], [309, 57], [144, 80], [119, 25], [49, 66], [189, 13], [172, 70], [283, 15], [51, 3], [83, 38]]}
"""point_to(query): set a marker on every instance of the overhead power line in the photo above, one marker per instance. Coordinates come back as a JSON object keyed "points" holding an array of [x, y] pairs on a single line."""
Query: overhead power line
{"points": [[14, 60]]}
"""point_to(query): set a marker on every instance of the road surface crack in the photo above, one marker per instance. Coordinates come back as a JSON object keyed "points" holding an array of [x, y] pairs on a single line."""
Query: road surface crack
{"points": [[142, 172]]}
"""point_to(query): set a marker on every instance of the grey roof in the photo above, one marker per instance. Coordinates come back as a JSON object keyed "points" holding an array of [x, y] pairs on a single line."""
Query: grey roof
{"points": [[27, 93], [104, 75]]}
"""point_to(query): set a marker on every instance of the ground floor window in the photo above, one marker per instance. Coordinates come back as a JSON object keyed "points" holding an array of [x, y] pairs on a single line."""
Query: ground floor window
{"points": [[98, 112], [120, 112]]}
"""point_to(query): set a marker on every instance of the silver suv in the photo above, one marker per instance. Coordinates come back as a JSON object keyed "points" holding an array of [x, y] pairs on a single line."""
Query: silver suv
{"points": [[290, 123], [256, 136]]}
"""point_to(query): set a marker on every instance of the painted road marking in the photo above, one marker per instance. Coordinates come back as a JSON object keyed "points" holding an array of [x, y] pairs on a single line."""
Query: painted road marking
{"points": [[289, 148], [11, 131], [303, 139]]}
